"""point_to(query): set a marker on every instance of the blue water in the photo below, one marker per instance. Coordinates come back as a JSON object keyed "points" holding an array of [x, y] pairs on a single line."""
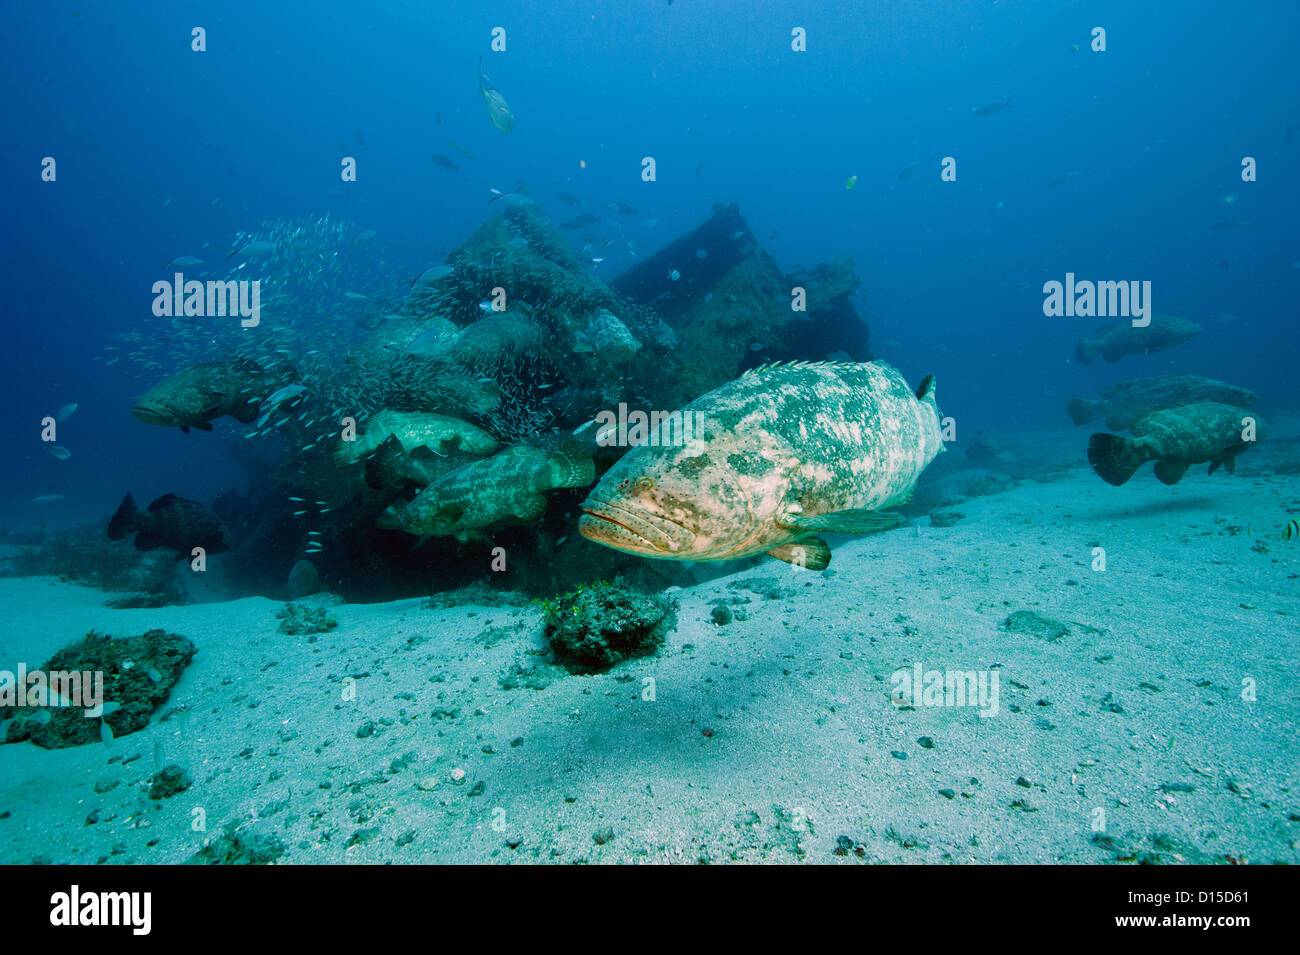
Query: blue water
{"points": [[255, 127]]}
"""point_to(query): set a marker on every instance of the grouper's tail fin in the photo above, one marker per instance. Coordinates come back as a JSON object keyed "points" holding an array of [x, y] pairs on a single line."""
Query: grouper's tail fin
{"points": [[1085, 349], [384, 468], [1081, 410], [1114, 458], [123, 521], [571, 466]]}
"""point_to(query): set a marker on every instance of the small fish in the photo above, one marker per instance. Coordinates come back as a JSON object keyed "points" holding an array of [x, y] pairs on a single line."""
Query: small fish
{"points": [[1064, 178], [60, 452], [64, 413], [183, 260], [498, 110], [468, 154], [432, 274], [568, 198], [298, 500], [698, 170], [280, 396], [1292, 530], [581, 222], [597, 261], [485, 306], [445, 162], [363, 237], [674, 275], [47, 498], [299, 513], [991, 108], [906, 173], [355, 295], [253, 247], [737, 235]]}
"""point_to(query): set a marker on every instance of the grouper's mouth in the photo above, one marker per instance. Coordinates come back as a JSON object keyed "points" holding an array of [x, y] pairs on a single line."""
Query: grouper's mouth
{"points": [[632, 531], [148, 415]]}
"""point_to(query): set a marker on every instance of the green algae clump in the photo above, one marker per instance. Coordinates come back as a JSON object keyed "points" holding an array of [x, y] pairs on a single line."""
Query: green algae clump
{"points": [[597, 626]]}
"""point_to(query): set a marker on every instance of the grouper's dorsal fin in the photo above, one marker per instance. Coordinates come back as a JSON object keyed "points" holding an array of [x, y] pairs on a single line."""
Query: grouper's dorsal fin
{"points": [[762, 369], [925, 390]]}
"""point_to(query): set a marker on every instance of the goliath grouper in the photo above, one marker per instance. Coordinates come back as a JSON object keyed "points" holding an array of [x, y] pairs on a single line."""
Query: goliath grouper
{"points": [[506, 488], [1113, 342], [783, 452], [172, 522], [414, 429], [1175, 438], [193, 397], [1121, 403]]}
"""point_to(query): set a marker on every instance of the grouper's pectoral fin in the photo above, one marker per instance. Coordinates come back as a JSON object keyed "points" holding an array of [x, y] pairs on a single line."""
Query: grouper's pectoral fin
{"points": [[811, 552], [1171, 470], [844, 522], [1228, 463]]}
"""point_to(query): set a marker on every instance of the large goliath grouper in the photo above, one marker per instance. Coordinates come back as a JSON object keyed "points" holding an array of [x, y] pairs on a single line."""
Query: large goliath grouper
{"points": [[173, 522], [507, 488], [1113, 342], [193, 397], [782, 453], [1121, 403], [1176, 438]]}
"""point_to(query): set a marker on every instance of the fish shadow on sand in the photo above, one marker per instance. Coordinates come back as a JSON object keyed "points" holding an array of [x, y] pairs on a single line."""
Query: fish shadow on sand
{"points": [[1205, 502]]}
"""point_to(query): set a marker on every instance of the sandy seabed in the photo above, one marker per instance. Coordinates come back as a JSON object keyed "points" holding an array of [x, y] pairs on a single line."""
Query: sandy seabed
{"points": [[1162, 726]]}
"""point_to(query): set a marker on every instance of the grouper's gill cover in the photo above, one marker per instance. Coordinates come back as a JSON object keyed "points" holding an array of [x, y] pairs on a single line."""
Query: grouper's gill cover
{"points": [[776, 455]]}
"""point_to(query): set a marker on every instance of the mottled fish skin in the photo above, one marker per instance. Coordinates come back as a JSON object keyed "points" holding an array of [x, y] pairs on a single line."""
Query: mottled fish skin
{"points": [[506, 488], [1113, 342], [1121, 403], [193, 397], [779, 451], [413, 429], [1176, 438], [1196, 433]]}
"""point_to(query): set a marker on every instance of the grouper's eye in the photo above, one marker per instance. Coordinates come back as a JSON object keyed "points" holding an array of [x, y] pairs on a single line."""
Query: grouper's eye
{"points": [[645, 483]]}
